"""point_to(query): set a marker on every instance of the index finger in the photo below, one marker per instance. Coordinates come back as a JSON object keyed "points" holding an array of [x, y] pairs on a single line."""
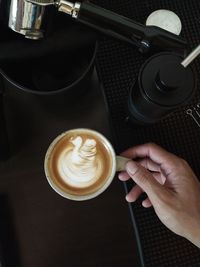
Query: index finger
{"points": [[156, 153]]}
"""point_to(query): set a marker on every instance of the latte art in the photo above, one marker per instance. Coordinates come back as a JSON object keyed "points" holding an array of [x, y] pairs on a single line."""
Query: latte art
{"points": [[80, 164]]}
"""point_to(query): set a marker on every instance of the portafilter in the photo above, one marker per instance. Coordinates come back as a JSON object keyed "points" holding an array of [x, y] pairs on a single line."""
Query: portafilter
{"points": [[27, 16]]}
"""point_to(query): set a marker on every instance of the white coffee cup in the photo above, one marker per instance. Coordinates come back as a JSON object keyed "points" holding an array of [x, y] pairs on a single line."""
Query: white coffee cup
{"points": [[118, 164]]}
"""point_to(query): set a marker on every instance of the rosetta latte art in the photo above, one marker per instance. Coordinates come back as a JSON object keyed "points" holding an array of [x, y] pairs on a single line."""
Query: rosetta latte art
{"points": [[80, 165]]}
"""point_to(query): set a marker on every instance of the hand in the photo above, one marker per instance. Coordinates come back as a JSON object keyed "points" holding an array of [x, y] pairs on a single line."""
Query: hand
{"points": [[171, 186]]}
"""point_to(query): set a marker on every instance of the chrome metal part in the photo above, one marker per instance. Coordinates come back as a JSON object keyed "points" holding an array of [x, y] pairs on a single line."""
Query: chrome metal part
{"points": [[26, 18], [197, 112], [191, 57], [42, 2], [69, 8], [190, 113]]}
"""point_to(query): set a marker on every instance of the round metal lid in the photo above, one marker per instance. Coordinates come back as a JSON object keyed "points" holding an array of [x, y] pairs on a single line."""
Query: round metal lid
{"points": [[166, 20]]}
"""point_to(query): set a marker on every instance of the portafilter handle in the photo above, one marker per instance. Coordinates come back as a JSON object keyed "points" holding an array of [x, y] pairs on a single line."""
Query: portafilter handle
{"points": [[119, 27]]}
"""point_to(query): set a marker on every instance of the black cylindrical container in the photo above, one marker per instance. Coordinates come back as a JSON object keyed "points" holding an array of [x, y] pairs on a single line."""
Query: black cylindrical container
{"points": [[163, 85], [59, 76], [39, 92]]}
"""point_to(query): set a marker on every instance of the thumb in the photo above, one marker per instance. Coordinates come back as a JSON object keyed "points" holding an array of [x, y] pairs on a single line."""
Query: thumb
{"points": [[145, 180]]}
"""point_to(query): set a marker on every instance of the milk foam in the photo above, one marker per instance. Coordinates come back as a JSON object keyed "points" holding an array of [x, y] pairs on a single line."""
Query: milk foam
{"points": [[80, 164]]}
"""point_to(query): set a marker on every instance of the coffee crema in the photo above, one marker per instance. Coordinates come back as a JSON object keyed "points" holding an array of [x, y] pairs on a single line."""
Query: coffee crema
{"points": [[80, 163]]}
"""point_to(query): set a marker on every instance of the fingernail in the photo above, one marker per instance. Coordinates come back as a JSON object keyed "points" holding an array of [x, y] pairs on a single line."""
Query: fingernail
{"points": [[131, 167], [120, 176], [128, 199]]}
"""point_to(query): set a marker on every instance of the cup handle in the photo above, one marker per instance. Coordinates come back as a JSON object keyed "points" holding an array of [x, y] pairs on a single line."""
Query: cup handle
{"points": [[121, 163]]}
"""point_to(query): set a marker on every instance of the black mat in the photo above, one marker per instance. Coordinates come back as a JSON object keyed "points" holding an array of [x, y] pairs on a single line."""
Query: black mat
{"points": [[119, 66]]}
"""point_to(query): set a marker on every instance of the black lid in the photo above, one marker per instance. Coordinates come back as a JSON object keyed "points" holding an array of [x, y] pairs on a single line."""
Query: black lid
{"points": [[165, 81]]}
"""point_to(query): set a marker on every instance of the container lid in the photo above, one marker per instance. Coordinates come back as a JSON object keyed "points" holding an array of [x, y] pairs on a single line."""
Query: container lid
{"points": [[165, 81]]}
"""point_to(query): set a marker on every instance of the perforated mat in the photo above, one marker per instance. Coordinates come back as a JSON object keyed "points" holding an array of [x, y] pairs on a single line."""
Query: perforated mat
{"points": [[119, 66]]}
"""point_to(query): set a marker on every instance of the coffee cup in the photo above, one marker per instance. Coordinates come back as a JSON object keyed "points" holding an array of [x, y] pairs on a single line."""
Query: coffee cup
{"points": [[80, 164]]}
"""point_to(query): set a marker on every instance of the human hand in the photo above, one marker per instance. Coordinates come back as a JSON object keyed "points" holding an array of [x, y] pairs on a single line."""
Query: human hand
{"points": [[171, 186]]}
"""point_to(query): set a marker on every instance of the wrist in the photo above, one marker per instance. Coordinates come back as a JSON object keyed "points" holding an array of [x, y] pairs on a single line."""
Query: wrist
{"points": [[193, 234]]}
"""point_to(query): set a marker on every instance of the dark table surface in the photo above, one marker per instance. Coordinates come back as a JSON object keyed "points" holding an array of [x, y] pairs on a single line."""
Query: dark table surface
{"points": [[40, 228]]}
